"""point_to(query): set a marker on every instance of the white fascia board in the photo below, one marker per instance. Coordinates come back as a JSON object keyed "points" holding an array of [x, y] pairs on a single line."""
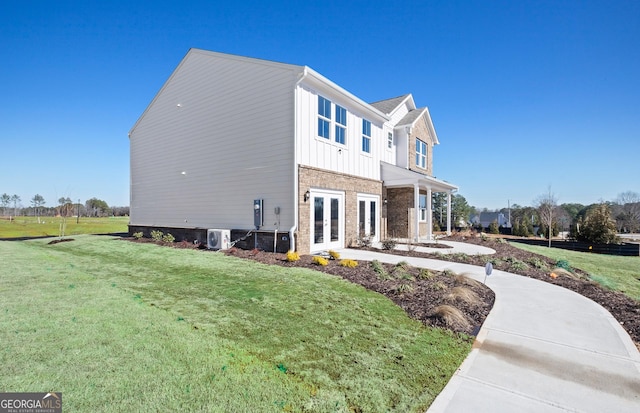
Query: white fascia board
{"points": [[316, 80]]}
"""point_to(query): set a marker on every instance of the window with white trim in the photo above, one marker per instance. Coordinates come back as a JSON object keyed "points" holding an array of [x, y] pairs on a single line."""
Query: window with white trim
{"points": [[390, 140], [324, 117], [421, 154], [341, 125], [366, 136], [423, 208]]}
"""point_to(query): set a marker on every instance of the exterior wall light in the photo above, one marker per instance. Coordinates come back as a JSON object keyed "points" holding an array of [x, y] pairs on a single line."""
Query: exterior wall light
{"points": [[307, 195]]}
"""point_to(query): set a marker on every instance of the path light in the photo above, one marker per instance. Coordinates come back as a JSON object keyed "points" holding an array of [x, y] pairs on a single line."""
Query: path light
{"points": [[488, 269]]}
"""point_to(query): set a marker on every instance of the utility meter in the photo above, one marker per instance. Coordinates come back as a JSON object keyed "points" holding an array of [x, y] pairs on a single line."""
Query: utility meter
{"points": [[258, 214]]}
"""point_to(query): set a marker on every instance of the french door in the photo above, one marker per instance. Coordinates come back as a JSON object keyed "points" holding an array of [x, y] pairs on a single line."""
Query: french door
{"points": [[327, 220], [369, 217]]}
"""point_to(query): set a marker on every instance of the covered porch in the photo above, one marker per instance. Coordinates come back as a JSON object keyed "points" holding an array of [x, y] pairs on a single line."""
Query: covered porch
{"points": [[408, 201]]}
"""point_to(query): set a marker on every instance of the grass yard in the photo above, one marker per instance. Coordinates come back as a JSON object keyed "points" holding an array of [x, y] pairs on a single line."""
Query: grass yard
{"points": [[19, 227], [614, 272], [119, 327]]}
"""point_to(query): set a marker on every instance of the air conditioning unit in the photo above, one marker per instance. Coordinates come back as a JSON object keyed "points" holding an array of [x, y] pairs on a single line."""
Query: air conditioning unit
{"points": [[218, 239]]}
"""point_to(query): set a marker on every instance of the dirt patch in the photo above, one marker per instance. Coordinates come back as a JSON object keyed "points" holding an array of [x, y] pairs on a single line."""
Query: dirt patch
{"points": [[57, 241]]}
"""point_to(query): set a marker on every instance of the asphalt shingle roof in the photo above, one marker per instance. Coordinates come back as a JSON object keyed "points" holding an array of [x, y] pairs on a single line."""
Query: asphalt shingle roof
{"points": [[388, 105]]}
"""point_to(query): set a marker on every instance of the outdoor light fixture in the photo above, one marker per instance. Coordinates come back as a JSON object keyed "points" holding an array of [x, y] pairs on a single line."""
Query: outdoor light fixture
{"points": [[385, 201], [307, 195]]}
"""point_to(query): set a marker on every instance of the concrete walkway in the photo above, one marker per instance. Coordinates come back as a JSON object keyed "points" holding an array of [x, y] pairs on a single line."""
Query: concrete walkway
{"points": [[543, 348]]}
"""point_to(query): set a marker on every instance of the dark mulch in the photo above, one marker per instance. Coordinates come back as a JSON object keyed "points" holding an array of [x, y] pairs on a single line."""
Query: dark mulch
{"points": [[418, 292], [509, 258], [423, 296]]}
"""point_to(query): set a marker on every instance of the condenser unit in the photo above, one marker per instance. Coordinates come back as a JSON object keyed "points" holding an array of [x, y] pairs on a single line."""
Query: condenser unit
{"points": [[218, 239]]}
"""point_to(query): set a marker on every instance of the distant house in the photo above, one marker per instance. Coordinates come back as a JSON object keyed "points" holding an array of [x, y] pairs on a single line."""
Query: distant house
{"points": [[486, 218], [226, 134]]}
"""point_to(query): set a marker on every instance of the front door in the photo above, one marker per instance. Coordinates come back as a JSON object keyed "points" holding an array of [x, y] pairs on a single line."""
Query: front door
{"points": [[368, 217], [327, 220]]}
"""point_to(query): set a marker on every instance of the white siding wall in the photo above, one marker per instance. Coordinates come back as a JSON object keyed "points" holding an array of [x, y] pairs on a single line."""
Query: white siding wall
{"points": [[230, 141], [324, 153]]}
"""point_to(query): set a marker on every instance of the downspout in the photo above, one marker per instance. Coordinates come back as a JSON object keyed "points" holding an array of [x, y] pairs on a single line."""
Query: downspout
{"points": [[296, 192]]}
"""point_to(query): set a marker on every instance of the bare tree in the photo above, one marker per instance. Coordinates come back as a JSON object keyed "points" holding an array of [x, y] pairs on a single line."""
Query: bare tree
{"points": [[546, 205], [628, 211], [5, 200], [36, 202], [15, 199]]}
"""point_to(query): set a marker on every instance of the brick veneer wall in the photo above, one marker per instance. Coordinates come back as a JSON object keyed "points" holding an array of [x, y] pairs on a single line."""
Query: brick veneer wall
{"points": [[400, 213], [314, 178]]}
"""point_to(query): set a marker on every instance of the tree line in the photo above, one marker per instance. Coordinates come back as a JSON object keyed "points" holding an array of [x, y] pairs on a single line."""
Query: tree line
{"points": [[597, 223], [12, 206]]}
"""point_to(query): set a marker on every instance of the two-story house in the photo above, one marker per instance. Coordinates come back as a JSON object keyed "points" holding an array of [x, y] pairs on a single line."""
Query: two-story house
{"points": [[327, 168]]}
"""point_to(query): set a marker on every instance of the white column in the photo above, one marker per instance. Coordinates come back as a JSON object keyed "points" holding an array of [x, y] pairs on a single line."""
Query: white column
{"points": [[448, 212], [429, 215], [416, 207]]}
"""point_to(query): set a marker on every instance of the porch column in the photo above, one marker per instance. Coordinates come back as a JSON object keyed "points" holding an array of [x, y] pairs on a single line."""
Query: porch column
{"points": [[448, 212], [416, 207], [429, 215]]}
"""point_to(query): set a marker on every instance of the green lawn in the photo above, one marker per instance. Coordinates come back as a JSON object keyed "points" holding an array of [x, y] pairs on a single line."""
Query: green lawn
{"points": [[19, 227], [612, 271], [120, 327]]}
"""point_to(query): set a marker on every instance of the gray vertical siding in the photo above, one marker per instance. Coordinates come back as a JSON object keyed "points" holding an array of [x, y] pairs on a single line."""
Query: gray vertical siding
{"points": [[230, 140]]}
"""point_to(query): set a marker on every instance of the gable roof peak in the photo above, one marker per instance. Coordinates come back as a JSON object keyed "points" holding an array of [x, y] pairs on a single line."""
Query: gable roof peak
{"points": [[388, 106]]}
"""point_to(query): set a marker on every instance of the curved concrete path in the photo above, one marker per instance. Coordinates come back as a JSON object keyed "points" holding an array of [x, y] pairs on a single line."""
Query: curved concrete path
{"points": [[543, 348]]}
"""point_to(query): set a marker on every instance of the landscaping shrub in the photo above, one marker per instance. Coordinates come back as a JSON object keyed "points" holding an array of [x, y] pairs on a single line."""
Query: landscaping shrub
{"points": [[425, 274], [563, 264], [389, 244], [138, 235], [292, 256], [320, 260], [379, 269], [334, 255], [156, 235], [168, 238], [349, 263]]}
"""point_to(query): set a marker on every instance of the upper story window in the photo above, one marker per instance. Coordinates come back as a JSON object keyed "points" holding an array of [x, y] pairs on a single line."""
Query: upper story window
{"points": [[324, 117], [421, 154], [366, 136], [390, 140], [341, 123]]}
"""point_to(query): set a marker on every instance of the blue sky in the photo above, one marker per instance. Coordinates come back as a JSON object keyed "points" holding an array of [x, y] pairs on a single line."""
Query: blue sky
{"points": [[525, 95]]}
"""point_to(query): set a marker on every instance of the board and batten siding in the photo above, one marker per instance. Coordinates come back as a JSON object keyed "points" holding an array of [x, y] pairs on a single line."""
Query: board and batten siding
{"points": [[318, 152], [218, 135]]}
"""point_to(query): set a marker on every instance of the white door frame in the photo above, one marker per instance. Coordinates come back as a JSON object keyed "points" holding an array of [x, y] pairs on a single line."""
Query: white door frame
{"points": [[326, 232], [368, 199]]}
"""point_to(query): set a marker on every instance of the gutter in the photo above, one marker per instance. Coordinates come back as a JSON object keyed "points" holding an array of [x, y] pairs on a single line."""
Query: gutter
{"points": [[296, 192]]}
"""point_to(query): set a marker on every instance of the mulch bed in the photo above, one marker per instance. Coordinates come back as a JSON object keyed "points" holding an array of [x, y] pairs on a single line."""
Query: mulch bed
{"points": [[624, 309], [421, 294], [421, 297]]}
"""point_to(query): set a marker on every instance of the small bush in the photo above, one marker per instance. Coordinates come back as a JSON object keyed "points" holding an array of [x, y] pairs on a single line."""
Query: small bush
{"points": [[318, 260], [463, 279], [403, 265], [402, 275], [389, 244], [439, 286], [483, 236], [365, 241], [538, 263], [156, 235], [349, 263], [404, 288], [449, 273], [379, 269], [464, 295], [563, 264], [292, 256], [168, 238], [451, 317], [138, 235], [334, 255], [425, 274]]}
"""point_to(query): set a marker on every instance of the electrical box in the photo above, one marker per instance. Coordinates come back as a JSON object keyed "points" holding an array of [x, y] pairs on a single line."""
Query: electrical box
{"points": [[258, 213]]}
